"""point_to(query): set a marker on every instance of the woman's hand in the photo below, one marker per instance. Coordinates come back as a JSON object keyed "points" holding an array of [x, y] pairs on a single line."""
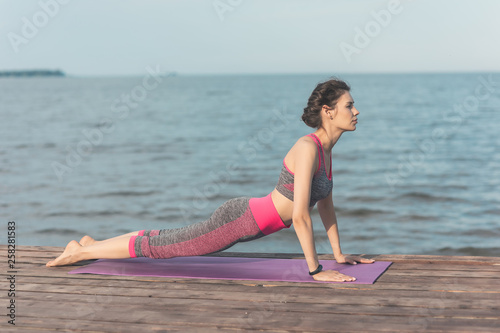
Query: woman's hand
{"points": [[333, 276], [348, 259]]}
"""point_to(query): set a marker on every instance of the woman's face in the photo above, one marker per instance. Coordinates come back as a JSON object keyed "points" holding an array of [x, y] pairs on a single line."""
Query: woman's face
{"points": [[345, 114]]}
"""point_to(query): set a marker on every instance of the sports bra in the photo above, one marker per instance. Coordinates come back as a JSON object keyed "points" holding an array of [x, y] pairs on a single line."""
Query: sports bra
{"points": [[321, 185]]}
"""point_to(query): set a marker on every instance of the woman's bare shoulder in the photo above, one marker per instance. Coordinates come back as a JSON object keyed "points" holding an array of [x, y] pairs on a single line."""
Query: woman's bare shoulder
{"points": [[304, 148], [304, 144]]}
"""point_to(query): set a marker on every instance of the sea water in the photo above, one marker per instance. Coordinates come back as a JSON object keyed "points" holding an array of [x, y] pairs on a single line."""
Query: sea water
{"points": [[109, 155]]}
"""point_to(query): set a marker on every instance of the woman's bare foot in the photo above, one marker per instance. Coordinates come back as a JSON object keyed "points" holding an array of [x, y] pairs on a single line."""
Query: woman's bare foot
{"points": [[87, 240], [333, 276], [69, 256]]}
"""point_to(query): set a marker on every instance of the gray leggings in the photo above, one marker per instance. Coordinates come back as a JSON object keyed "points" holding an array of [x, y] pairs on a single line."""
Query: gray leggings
{"points": [[231, 223]]}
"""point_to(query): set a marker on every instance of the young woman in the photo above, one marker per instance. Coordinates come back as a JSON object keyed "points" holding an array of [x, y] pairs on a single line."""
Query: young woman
{"points": [[305, 180]]}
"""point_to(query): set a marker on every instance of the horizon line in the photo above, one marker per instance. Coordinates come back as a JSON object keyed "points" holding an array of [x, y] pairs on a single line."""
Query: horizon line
{"points": [[188, 74]]}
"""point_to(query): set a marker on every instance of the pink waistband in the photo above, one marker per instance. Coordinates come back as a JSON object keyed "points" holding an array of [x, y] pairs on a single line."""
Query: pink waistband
{"points": [[266, 215]]}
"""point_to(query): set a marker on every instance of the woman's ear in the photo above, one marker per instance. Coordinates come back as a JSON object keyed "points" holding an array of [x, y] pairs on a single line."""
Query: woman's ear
{"points": [[329, 112], [326, 110]]}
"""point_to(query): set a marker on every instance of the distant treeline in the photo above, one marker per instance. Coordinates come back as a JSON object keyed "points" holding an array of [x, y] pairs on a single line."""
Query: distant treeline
{"points": [[30, 73]]}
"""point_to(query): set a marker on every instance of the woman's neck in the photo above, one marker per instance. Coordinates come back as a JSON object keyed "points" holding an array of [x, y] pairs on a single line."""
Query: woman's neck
{"points": [[328, 138]]}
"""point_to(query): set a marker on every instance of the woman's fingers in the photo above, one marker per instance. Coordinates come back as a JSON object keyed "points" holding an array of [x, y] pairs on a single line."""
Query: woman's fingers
{"points": [[366, 261], [355, 259]]}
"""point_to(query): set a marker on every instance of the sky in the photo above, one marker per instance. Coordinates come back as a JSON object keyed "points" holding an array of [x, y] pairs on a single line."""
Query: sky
{"points": [[110, 37]]}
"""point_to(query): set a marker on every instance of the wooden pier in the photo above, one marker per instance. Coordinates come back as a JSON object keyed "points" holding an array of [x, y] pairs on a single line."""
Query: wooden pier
{"points": [[416, 294]]}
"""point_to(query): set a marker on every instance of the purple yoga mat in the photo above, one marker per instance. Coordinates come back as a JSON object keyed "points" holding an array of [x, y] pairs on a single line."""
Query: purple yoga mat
{"points": [[231, 268]]}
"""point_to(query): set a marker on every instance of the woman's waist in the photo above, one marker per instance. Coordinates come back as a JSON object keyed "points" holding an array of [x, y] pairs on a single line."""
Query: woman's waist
{"points": [[283, 205], [267, 214]]}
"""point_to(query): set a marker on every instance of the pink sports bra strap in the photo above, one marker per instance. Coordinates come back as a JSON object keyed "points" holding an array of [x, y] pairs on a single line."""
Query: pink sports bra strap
{"points": [[320, 148]]}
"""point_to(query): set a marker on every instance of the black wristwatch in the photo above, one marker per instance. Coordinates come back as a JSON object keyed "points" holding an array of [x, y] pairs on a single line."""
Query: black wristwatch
{"points": [[317, 270]]}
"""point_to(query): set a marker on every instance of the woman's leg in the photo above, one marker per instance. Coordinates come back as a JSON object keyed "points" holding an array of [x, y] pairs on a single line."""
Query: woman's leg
{"points": [[231, 223], [87, 240], [113, 248]]}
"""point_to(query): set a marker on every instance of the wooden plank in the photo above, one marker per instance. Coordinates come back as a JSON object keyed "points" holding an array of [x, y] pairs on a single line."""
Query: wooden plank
{"points": [[494, 274], [445, 285], [358, 297], [441, 287], [310, 297], [50, 251], [387, 281], [195, 286], [239, 318], [395, 266], [35, 324], [271, 303]]}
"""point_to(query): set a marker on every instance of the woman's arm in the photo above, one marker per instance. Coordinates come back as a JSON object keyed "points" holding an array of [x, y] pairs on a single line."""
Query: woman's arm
{"points": [[326, 211], [304, 166]]}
